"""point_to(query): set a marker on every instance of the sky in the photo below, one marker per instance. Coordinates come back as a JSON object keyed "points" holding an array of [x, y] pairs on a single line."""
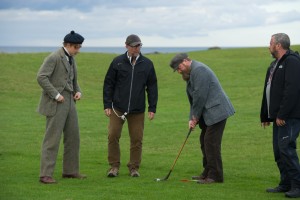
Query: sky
{"points": [[159, 23]]}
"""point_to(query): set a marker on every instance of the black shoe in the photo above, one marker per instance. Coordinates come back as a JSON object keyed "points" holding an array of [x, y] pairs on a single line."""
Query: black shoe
{"points": [[277, 189], [293, 193]]}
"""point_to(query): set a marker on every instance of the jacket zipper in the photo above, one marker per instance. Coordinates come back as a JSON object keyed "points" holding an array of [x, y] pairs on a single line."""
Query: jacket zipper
{"points": [[130, 88]]}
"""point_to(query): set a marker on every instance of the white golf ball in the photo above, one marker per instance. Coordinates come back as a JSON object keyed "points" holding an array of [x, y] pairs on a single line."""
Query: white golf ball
{"points": [[158, 179]]}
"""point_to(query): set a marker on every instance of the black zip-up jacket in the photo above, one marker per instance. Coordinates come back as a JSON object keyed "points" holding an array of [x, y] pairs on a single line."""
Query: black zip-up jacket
{"points": [[284, 91], [125, 85]]}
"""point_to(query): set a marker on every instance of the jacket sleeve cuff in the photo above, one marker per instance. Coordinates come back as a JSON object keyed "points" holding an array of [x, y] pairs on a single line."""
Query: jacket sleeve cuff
{"points": [[57, 96]]}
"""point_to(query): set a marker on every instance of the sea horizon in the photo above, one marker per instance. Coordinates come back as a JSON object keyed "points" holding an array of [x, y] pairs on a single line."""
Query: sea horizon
{"points": [[116, 50]]}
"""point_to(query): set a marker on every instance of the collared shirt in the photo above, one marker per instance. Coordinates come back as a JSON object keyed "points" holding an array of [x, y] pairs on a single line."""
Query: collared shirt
{"points": [[68, 54], [69, 86], [130, 57]]}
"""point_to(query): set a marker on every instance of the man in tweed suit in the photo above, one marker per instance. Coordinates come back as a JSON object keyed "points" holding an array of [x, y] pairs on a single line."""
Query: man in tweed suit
{"points": [[209, 107], [58, 78]]}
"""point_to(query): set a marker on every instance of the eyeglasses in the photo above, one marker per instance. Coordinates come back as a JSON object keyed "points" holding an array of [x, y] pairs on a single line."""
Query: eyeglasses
{"points": [[178, 66], [137, 46]]}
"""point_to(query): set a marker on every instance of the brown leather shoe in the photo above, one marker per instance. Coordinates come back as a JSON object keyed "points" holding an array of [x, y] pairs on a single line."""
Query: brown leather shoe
{"points": [[79, 176], [47, 180], [206, 181]]}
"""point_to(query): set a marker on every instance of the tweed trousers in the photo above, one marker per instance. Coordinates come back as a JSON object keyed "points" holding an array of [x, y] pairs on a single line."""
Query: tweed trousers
{"points": [[136, 130], [65, 122]]}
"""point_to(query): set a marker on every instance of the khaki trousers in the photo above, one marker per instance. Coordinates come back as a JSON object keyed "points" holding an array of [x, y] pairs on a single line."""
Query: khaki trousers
{"points": [[64, 121], [136, 130]]}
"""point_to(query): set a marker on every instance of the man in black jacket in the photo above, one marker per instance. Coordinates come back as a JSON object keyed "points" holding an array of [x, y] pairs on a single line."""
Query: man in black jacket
{"points": [[281, 105], [126, 81]]}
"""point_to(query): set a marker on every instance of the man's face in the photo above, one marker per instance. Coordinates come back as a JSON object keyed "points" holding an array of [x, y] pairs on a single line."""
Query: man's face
{"points": [[73, 49], [134, 50], [273, 48], [183, 67]]}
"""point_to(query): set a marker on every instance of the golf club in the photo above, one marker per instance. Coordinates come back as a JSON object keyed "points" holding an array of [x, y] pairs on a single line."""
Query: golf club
{"points": [[166, 178]]}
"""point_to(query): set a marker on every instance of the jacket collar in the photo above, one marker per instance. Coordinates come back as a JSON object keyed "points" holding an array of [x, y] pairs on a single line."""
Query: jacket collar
{"points": [[127, 58], [64, 58]]}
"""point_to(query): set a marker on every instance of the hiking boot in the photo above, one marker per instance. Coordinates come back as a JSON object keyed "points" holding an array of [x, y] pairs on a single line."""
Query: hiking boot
{"points": [[134, 173], [113, 172]]}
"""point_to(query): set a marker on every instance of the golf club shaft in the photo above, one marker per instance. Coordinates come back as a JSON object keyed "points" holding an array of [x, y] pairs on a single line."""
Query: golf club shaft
{"points": [[178, 154]]}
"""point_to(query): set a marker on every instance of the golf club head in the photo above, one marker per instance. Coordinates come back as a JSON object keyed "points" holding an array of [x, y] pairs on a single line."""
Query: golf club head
{"points": [[166, 178], [161, 179]]}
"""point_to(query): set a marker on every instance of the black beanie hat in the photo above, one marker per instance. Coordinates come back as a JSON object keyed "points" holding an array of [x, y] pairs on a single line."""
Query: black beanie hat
{"points": [[73, 38]]}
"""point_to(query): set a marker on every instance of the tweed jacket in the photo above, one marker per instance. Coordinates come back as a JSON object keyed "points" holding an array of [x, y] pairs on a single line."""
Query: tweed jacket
{"points": [[52, 77], [206, 96]]}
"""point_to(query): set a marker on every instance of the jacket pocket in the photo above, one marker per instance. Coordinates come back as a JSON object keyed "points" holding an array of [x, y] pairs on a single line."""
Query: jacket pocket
{"points": [[211, 104], [47, 106]]}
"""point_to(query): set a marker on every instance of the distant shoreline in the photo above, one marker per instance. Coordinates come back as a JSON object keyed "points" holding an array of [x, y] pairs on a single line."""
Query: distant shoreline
{"points": [[116, 50]]}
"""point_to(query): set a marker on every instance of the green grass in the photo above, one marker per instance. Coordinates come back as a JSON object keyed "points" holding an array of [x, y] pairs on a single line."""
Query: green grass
{"points": [[249, 167]]}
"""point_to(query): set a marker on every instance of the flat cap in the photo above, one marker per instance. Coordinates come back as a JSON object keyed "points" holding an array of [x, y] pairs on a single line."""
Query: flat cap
{"points": [[73, 38], [178, 58], [133, 40]]}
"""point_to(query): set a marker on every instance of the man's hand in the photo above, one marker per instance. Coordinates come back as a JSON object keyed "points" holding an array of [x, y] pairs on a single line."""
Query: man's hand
{"points": [[107, 112], [280, 122], [151, 115], [77, 96], [60, 99], [264, 124], [193, 123]]}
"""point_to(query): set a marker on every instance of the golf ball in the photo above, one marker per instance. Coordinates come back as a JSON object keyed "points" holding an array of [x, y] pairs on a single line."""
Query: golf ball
{"points": [[157, 179]]}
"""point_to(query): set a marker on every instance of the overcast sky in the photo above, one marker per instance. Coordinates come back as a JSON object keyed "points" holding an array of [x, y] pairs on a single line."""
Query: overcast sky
{"points": [[159, 23]]}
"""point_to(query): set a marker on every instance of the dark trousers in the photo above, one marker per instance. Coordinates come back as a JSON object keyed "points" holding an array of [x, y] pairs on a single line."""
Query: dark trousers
{"points": [[210, 142], [284, 147]]}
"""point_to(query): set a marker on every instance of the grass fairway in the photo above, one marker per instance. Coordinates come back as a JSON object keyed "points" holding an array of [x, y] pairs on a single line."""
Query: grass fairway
{"points": [[249, 167]]}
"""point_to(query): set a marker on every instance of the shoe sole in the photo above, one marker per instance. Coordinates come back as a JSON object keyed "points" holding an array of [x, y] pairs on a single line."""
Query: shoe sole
{"points": [[112, 175]]}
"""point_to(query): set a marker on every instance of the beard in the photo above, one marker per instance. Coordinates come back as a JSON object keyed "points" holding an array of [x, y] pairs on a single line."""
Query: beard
{"points": [[273, 53], [185, 76]]}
